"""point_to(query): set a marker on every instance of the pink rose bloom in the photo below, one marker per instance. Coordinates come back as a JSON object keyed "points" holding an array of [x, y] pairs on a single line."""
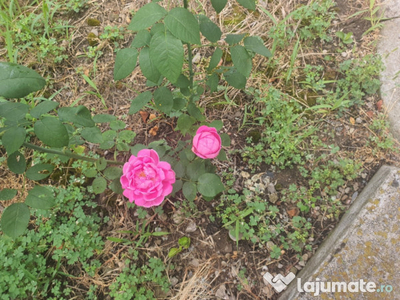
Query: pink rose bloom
{"points": [[206, 142], [146, 180]]}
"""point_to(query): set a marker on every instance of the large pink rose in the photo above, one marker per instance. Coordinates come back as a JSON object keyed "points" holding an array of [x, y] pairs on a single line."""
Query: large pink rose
{"points": [[206, 142], [146, 180]]}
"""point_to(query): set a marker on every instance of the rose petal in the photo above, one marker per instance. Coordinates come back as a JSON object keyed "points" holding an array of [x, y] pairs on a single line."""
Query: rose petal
{"points": [[149, 153]]}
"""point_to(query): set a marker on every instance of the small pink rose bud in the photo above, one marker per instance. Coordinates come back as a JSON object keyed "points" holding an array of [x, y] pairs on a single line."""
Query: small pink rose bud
{"points": [[206, 142]]}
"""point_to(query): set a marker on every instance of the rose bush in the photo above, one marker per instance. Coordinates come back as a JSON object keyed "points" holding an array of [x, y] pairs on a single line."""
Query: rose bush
{"points": [[206, 142], [147, 180]]}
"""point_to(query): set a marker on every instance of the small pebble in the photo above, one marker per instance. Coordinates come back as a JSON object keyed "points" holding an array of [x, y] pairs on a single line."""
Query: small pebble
{"points": [[191, 227], [359, 120], [174, 281], [194, 262], [196, 58], [270, 245], [273, 198]]}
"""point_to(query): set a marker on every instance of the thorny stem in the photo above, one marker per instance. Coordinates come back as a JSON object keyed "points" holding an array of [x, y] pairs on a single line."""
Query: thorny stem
{"points": [[191, 75], [71, 155]]}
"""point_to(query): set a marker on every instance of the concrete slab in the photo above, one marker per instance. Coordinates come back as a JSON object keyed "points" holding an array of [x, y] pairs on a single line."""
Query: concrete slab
{"points": [[389, 49], [362, 252]]}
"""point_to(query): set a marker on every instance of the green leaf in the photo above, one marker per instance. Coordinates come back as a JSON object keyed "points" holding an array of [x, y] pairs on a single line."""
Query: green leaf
{"points": [[217, 124], [173, 251], [99, 185], [117, 125], [140, 101], [177, 186], [42, 108], [92, 135], [209, 29], [215, 59], [235, 78], [125, 62], [52, 132], [39, 171], [121, 146], [17, 81], [212, 82], [241, 60], [90, 173], [183, 25], [141, 39], [184, 242], [210, 185], [147, 66], [78, 115], [15, 219], [13, 110], [225, 140], [233, 39], [7, 194], [116, 240], [182, 82], [195, 112], [40, 198], [13, 139], [179, 169], [185, 122], [113, 173], [189, 154], [107, 144], [218, 5], [167, 53], [179, 103], [249, 4], [115, 186], [159, 27], [256, 44], [189, 190], [163, 99], [126, 136], [222, 155], [16, 163], [101, 164], [104, 118], [146, 16], [160, 233], [195, 169], [135, 149]]}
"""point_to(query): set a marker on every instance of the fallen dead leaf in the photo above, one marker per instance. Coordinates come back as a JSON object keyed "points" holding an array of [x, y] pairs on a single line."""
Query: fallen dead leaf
{"points": [[369, 160], [152, 116], [352, 121], [144, 115], [379, 105], [293, 212], [153, 131], [370, 114]]}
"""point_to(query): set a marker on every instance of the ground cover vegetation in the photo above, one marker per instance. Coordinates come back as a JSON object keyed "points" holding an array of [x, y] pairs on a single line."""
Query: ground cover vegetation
{"points": [[262, 121]]}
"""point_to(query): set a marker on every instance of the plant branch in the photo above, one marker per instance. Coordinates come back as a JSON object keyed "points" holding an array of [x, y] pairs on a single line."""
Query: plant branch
{"points": [[71, 155], [190, 58]]}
